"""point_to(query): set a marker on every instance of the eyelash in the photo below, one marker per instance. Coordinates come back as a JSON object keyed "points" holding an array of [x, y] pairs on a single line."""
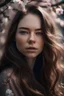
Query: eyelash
{"points": [[24, 33]]}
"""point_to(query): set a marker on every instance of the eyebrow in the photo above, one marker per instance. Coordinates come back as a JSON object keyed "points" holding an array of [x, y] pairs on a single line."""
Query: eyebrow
{"points": [[29, 29]]}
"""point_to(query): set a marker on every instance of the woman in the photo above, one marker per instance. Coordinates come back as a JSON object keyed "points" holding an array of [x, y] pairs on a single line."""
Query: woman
{"points": [[30, 62]]}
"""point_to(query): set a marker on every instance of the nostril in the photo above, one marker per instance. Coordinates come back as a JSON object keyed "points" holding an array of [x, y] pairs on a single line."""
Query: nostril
{"points": [[31, 41]]}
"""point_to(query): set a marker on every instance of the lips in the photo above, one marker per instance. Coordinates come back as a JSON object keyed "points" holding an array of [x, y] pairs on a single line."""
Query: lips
{"points": [[31, 49]]}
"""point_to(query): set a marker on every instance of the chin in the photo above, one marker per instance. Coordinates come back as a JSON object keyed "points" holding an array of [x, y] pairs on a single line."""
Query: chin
{"points": [[31, 55]]}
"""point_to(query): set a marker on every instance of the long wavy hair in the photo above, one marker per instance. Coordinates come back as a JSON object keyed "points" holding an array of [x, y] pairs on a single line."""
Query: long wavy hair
{"points": [[50, 73]]}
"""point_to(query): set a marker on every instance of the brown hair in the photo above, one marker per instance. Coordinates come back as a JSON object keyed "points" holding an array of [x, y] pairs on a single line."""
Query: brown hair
{"points": [[50, 79]]}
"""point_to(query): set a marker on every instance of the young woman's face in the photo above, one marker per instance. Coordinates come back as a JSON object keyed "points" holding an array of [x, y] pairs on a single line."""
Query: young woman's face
{"points": [[29, 39]]}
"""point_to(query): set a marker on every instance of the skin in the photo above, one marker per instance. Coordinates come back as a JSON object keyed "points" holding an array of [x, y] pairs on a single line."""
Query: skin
{"points": [[29, 34]]}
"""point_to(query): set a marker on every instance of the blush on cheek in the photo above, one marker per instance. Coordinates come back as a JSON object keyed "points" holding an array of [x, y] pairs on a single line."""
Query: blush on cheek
{"points": [[19, 41], [18, 44]]}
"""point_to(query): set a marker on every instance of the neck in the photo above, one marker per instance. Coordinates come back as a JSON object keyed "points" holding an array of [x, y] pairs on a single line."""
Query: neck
{"points": [[31, 62]]}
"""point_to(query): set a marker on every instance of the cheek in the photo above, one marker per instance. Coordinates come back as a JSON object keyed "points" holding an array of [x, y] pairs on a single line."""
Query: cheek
{"points": [[41, 44], [20, 42]]}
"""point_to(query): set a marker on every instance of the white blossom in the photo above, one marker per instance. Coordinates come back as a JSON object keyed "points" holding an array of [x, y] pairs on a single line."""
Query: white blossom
{"points": [[62, 23], [59, 11], [9, 92], [17, 1], [5, 21], [25, 2], [9, 7]]}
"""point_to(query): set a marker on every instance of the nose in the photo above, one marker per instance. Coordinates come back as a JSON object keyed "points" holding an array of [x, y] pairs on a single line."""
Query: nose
{"points": [[31, 38]]}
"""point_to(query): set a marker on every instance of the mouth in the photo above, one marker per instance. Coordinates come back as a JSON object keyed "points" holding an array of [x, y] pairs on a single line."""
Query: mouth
{"points": [[31, 49]]}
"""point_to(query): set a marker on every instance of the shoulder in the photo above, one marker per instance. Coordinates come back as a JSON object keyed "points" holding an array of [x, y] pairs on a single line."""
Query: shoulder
{"points": [[5, 74], [4, 82], [9, 84]]}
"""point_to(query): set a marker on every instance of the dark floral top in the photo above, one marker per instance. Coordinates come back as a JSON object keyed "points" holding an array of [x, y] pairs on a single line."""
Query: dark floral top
{"points": [[8, 86]]}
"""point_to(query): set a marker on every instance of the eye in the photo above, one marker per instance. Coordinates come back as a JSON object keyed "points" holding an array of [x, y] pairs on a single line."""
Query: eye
{"points": [[23, 32], [38, 33]]}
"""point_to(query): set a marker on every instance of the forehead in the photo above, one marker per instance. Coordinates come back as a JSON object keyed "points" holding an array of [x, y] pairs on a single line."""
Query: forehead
{"points": [[30, 21]]}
